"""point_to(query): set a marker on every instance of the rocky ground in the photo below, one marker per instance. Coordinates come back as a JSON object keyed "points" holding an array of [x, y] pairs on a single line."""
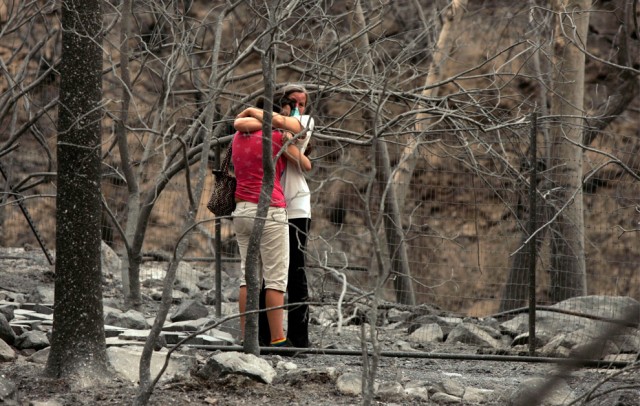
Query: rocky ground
{"points": [[429, 358]]}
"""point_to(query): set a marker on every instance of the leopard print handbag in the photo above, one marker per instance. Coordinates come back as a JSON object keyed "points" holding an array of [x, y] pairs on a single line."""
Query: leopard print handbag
{"points": [[222, 201]]}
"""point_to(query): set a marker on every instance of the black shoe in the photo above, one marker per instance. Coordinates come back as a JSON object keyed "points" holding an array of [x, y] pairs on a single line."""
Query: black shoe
{"points": [[299, 343]]}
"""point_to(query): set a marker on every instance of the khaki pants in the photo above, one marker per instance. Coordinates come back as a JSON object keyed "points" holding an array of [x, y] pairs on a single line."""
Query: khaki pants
{"points": [[274, 244]]}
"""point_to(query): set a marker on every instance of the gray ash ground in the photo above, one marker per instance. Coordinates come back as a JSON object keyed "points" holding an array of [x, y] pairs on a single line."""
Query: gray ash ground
{"points": [[18, 275]]}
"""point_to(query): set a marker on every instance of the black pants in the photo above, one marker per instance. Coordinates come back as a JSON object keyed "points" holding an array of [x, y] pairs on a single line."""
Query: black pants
{"points": [[297, 289]]}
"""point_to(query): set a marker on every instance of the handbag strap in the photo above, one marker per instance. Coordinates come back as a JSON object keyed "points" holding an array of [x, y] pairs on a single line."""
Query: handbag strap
{"points": [[224, 165], [227, 159]]}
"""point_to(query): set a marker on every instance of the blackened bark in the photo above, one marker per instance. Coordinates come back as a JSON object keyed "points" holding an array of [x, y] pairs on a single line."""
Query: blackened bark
{"points": [[78, 343]]}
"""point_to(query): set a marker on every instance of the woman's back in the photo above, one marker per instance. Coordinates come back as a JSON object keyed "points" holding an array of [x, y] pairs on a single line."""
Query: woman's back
{"points": [[247, 163]]}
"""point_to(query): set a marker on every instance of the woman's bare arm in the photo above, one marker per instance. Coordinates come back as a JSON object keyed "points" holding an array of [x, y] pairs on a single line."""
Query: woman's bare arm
{"points": [[293, 154], [247, 124], [291, 124]]}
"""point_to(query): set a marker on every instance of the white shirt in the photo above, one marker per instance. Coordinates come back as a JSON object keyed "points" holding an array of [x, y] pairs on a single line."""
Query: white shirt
{"points": [[296, 190]]}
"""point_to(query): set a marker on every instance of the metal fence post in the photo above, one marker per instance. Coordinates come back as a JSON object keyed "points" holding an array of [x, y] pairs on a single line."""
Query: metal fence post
{"points": [[532, 229]]}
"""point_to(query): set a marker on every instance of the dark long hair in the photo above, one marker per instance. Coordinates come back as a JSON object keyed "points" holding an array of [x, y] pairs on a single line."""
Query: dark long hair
{"points": [[279, 101]]}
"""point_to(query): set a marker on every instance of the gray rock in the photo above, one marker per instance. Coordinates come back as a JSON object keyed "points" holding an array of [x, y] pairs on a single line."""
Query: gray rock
{"points": [[42, 294], [43, 309], [210, 297], [445, 399], [490, 322], [225, 363], [629, 342], [6, 332], [111, 262], [49, 402], [301, 376], [556, 348], [177, 295], [7, 311], [468, 333], [350, 384], [286, 365], [419, 321], [477, 395], [219, 336], [35, 340], [523, 339], [493, 332], [190, 310], [403, 346], [390, 391], [553, 323], [40, 357], [111, 314], [126, 362], [189, 325], [134, 320], [32, 315], [599, 351], [450, 387], [7, 353], [395, 315], [112, 331], [131, 319], [630, 358], [428, 333], [186, 278], [19, 328], [610, 307], [419, 393], [206, 283]]}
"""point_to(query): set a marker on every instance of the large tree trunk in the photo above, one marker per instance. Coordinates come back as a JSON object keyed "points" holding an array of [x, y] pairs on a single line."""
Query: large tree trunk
{"points": [[568, 273], [517, 286], [78, 347], [625, 84], [133, 189], [441, 53], [396, 247], [404, 171]]}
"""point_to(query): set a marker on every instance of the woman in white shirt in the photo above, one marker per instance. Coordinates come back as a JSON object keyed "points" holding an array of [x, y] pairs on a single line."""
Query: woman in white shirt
{"points": [[298, 198]]}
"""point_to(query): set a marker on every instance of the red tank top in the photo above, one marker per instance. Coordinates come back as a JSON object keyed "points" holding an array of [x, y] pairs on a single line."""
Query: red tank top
{"points": [[247, 163]]}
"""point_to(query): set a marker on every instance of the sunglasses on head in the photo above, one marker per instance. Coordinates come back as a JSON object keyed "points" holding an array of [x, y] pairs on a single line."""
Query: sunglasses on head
{"points": [[288, 89]]}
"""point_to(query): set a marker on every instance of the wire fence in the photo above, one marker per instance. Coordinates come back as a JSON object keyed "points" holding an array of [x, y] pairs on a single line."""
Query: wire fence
{"points": [[463, 231], [465, 218]]}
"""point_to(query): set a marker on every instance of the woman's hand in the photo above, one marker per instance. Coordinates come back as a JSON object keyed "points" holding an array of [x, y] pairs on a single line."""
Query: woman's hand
{"points": [[286, 137]]}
